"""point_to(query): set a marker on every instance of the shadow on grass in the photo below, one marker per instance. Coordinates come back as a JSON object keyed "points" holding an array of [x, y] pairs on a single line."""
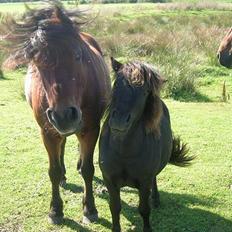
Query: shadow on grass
{"points": [[2, 77], [73, 188], [178, 212], [74, 225], [193, 97], [98, 181]]}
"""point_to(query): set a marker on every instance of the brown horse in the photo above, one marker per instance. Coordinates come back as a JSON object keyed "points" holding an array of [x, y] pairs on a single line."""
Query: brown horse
{"points": [[67, 86], [225, 50]]}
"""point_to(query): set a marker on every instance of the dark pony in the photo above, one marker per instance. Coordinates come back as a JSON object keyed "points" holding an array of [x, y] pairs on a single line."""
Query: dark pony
{"points": [[136, 141], [225, 50], [67, 85]]}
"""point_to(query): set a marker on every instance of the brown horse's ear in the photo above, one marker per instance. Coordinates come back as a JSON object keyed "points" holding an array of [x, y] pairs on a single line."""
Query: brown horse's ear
{"points": [[60, 14], [164, 81], [115, 64]]}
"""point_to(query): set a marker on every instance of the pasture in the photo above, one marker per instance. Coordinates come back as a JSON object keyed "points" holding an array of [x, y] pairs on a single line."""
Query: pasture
{"points": [[182, 42]]}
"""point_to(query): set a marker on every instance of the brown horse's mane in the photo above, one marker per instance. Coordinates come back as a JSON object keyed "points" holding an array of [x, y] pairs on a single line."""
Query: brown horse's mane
{"points": [[53, 28], [140, 73]]}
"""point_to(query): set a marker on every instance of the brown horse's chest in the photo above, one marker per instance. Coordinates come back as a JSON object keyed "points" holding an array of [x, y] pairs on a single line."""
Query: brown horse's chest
{"points": [[28, 85]]}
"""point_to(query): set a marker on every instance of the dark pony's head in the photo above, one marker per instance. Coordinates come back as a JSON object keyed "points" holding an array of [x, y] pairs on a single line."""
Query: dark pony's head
{"points": [[49, 40], [225, 50], [135, 96]]}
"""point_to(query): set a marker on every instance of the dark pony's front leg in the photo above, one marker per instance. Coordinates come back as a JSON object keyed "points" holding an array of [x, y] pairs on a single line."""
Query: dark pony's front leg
{"points": [[53, 144], [144, 207], [155, 194], [115, 205], [86, 167]]}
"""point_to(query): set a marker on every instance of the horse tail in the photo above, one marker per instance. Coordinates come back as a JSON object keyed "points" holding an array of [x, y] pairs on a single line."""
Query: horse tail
{"points": [[179, 155]]}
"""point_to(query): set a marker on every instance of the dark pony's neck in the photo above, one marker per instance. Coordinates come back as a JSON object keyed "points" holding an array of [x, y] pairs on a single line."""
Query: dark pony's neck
{"points": [[152, 114]]}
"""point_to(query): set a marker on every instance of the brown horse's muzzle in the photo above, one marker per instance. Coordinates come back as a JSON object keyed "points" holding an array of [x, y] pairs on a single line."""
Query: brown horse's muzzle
{"points": [[66, 122]]}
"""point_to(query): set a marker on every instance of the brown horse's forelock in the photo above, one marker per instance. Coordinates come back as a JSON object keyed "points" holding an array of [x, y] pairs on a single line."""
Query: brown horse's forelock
{"points": [[49, 28], [138, 74]]}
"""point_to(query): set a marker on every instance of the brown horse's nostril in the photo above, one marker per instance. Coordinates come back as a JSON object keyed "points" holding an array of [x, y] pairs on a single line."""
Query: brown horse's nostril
{"points": [[49, 114], [218, 55], [72, 113]]}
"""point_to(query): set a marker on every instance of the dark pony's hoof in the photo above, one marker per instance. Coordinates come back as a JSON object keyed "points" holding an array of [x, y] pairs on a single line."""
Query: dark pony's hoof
{"points": [[147, 230], [90, 218], [63, 183], [156, 204], [55, 220]]}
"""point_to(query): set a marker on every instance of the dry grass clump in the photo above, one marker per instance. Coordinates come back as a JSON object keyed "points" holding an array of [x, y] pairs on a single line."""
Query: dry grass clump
{"points": [[201, 5], [178, 45]]}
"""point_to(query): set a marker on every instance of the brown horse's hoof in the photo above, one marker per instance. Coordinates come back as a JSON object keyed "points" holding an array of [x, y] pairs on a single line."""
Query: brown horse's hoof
{"points": [[90, 218], [55, 220]]}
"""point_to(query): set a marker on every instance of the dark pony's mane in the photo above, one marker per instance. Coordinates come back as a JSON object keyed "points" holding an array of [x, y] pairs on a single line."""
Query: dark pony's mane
{"points": [[46, 32], [138, 74]]}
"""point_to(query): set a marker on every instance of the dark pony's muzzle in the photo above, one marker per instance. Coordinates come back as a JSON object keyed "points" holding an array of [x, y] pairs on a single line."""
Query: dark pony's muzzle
{"points": [[119, 123], [66, 122]]}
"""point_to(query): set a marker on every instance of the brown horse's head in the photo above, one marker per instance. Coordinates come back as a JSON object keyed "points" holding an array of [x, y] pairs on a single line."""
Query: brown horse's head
{"points": [[51, 42], [225, 50], [135, 97]]}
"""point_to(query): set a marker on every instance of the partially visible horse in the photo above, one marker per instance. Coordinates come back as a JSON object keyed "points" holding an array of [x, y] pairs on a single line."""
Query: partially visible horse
{"points": [[225, 50], [136, 141], [67, 85]]}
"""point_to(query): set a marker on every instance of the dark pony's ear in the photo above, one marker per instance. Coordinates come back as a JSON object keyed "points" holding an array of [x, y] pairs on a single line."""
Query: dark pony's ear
{"points": [[157, 81], [115, 64]]}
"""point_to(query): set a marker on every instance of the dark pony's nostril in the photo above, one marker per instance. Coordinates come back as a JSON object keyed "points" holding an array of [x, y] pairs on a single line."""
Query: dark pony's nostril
{"points": [[128, 118], [218, 55], [114, 113]]}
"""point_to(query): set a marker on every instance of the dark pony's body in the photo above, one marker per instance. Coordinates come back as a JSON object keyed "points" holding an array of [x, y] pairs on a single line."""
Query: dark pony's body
{"points": [[225, 50], [136, 141], [67, 86]]}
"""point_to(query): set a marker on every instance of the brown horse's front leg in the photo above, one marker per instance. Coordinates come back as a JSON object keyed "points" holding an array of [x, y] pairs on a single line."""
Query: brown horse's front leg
{"points": [[87, 145], [53, 145], [63, 178]]}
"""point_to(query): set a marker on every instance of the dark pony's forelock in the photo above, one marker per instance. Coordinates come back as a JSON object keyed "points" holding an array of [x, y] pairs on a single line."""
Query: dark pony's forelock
{"points": [[138, 74], [38, 27]]}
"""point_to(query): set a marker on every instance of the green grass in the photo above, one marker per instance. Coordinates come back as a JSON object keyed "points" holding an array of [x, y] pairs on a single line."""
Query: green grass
{"points": [[195, 199]]}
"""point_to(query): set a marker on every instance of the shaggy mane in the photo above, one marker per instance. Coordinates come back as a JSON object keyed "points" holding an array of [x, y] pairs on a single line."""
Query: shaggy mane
{"points": [[52, 28]]}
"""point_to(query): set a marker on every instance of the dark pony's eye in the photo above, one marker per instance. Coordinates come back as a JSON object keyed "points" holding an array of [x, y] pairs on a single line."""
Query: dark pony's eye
{"points": [[115, 84], [78, 54], [77, 57], [146, 92]]}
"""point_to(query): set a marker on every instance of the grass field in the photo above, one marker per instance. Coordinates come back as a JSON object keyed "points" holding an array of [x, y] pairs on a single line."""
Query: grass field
{"points": [[183, 44]]}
